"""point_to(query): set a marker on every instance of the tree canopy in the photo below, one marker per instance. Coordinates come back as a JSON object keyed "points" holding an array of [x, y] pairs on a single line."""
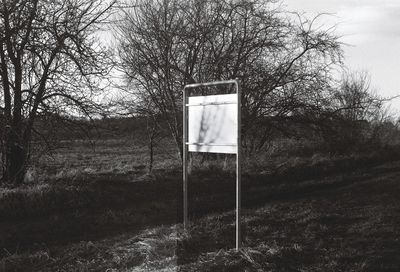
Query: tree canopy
{"points": [[282, 59]]}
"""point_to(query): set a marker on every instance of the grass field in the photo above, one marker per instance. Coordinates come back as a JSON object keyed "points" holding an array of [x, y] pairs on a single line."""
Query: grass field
{"points": [[102, 157], [102, 212]]}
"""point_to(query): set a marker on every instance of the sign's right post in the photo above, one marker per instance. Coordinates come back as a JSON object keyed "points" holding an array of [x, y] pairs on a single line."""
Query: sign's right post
{"points": [[238, 169]]}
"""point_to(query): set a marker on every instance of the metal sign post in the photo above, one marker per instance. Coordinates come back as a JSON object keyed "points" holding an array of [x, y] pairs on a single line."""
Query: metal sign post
{"points": [[212, 124]]}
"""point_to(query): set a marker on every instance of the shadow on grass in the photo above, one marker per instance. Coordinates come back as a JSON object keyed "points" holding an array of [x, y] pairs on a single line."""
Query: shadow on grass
{"points": [[104, 206]]}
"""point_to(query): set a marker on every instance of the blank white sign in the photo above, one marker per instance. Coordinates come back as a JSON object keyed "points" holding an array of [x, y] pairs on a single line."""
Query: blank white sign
{"points": [[212, 123]]}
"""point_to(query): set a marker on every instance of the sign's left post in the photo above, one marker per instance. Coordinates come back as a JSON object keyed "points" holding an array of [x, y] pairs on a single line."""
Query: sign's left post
{"points": [[185, 157]]}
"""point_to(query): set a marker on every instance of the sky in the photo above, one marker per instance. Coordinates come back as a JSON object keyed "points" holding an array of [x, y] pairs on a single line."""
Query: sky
{"points": [[370, 30]]}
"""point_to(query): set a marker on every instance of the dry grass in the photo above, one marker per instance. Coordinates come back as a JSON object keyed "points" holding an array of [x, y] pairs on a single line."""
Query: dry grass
{"points": [[77, 158], [96, 208], [337, 222]]}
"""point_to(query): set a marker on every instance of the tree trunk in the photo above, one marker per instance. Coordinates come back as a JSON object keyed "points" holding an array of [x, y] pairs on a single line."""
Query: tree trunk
{"points": [[151, 150], [15, 158], [152, 132]]}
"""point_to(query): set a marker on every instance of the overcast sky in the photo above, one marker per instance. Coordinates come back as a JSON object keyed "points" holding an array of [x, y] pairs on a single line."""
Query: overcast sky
{"points": [[372, 30]]}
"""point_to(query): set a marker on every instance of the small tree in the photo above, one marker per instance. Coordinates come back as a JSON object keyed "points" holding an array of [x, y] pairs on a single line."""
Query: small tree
{"points": [[50, 61], [153, 129], [356, 114]]}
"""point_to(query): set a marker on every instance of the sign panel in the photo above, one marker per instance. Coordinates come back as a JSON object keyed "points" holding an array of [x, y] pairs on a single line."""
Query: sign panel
{"points": [[212, 123]]}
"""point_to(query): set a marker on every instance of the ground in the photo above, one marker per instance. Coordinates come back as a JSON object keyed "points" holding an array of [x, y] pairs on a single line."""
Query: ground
{"points": [[321, 215]]}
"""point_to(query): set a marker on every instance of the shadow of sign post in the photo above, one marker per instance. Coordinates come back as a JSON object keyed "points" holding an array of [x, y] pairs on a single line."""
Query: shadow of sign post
{"points": [[212, 124]]}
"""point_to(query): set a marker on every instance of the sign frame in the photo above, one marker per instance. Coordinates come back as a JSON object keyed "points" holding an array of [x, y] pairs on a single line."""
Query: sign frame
{"points": [[185, 150]]}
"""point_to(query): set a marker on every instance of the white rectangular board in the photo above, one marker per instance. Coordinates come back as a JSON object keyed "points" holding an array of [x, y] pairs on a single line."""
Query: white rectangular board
{"points": [[212, 123]]}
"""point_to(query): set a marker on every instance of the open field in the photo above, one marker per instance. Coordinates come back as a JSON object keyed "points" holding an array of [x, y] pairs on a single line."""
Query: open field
{"points": [[318, 215], [121, 156]]}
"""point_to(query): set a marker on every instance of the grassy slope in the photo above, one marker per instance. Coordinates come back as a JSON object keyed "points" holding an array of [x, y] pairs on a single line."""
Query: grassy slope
{"points": [[337, 222]]}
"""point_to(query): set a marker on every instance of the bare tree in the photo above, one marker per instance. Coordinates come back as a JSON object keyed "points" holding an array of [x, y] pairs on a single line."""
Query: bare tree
{"points": [[50, 61], [356, 114], [355, 99], [283, 63]]}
